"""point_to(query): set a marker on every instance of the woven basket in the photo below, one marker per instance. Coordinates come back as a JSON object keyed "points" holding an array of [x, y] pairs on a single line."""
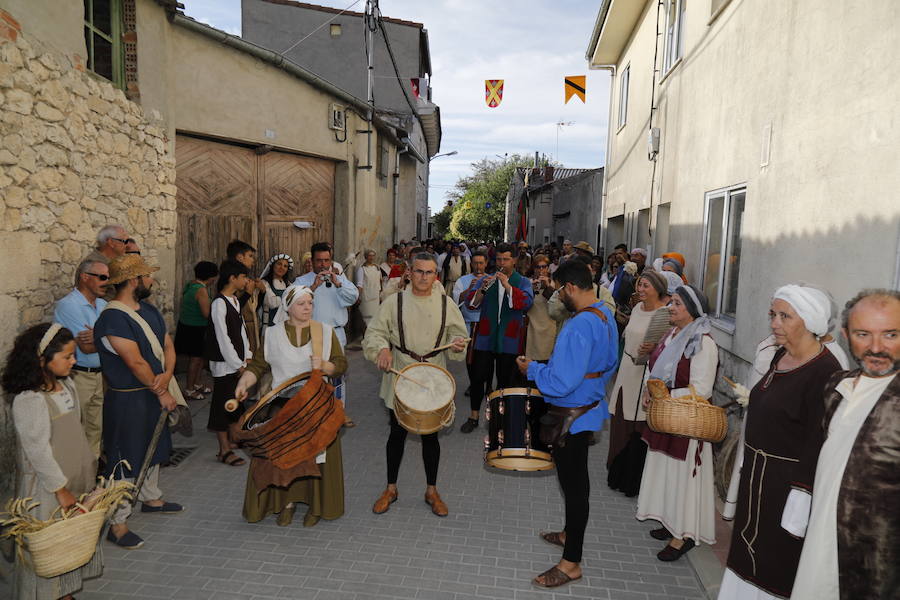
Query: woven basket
{"points": [[65, 545], [688, 416]]}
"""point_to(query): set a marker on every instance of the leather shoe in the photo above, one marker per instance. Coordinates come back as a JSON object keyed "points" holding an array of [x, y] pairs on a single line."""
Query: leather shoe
{"points": [[669, 554], [469, 426], [661, 534], [437, 505], [383, 503], [286, 516]]}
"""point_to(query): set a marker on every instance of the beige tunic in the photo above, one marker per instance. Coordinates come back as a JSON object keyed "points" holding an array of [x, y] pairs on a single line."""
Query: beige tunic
{"points": [[421, 323], [631, 376], [541, 330]]}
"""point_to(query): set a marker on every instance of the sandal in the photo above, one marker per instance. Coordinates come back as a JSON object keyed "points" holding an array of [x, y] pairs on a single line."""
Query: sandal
{"points": [[553, 537], [223, 458], [554, 577], [195, 395]]}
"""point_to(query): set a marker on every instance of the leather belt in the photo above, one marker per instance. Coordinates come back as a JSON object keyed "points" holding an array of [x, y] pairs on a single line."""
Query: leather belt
{"points": [[87, 369], [594, 375]]}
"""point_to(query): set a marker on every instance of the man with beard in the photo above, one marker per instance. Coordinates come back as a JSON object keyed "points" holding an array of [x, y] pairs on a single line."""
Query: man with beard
{"points": [[851, 548], [573, 383], [138, 372]]}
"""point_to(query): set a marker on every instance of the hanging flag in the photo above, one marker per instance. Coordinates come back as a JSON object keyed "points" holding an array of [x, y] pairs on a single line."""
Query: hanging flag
{"points": [[575, 86], [493, 92], [415, 86]]}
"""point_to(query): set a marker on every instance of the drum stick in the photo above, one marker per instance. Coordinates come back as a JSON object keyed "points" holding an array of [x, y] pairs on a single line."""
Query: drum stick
{"points": [[408, 378], [232, 405], [445, 346], [729, 382]]}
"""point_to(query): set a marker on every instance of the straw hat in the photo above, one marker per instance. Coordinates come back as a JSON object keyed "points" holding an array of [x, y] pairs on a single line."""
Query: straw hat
{"points": [[584, 246], [128, 266]]}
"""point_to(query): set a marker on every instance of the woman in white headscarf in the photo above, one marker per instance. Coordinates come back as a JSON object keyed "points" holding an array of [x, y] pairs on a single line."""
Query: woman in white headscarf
{"points": [[677, 483], [287, 351], [780, 444]]}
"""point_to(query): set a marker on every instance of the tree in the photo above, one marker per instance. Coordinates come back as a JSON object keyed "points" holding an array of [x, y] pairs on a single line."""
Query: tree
{"points": [[442, 222], [472, 218]]}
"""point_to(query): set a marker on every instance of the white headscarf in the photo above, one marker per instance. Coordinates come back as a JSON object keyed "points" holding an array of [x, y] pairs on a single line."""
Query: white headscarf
{"points": [[290, 297], [811, 305], [686, 342], [673, 280]]}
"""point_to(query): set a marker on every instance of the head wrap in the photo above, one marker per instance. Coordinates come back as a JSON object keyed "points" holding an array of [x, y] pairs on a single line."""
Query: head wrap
{"points": [[640, 251], [686, 342], [673, 281], [675, 265], [677, 256], [48, 337], [272, 261], [657, 264], [658, 282], [812, 305], [290, 297]]}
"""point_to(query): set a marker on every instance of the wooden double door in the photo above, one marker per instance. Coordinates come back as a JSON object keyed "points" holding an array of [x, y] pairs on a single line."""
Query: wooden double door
{"points": [[228, 192]]}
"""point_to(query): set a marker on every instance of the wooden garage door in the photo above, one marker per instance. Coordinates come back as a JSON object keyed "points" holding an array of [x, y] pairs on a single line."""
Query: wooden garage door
{"points": [[228, 192], [295, 188]]}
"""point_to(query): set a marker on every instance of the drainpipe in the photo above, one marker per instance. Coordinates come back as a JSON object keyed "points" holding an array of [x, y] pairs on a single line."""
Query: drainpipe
{"points": [[400, 151], [609, 134]]}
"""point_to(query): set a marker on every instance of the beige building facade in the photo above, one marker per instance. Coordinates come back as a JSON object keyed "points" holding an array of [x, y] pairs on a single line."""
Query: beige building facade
{"points": [[190, 137], [769, 154]]}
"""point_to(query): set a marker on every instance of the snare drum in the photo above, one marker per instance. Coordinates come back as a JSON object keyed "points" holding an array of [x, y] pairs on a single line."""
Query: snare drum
{"points": [[512, 443], [428, 407]]}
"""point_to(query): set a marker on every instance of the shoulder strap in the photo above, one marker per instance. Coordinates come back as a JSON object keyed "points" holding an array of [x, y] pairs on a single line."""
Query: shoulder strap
{"points": [[400, 321], [315, 335], [594, 310], [440, 335]]}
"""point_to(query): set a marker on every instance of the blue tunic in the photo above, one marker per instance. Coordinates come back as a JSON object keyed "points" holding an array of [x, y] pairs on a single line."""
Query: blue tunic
{"points": [[585, 345], [129, 417]]}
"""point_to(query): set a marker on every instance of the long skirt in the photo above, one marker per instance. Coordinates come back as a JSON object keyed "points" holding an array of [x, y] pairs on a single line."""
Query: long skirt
{"points": [[324, 495], [620, 430], [680, 494]]}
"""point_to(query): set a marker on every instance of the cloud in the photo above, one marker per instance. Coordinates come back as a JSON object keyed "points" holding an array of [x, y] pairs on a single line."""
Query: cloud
{"points": [[531, 44]]}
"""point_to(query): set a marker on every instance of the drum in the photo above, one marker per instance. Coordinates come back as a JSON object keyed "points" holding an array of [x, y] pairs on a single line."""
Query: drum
{"points": [[424, 403], [513, 443]]}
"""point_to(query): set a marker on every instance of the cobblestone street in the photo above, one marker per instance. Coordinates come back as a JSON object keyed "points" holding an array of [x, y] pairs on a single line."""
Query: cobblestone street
{"points": [[486, 548]]}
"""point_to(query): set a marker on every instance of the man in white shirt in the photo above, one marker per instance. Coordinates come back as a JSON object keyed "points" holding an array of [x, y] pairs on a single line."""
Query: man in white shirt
{"points": [[851, 549]]}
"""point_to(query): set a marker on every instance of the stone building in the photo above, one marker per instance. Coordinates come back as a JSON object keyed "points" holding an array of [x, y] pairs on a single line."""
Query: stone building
{"points": [[186, 135]]}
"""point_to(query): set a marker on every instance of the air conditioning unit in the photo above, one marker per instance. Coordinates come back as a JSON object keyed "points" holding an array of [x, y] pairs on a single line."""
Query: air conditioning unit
{"points": [[337, 117]]}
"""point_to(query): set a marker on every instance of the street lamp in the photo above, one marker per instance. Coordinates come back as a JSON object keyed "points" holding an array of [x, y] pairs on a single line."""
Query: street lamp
{"points": [[451, 153]]}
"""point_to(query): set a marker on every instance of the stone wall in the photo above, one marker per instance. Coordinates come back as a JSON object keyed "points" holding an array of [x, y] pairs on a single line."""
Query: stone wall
{"points": [[75, 155]]}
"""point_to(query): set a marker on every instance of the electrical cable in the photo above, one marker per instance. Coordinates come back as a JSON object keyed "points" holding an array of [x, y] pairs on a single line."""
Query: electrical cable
{"points": [[650, 127], [298, 42], [387, 43]]}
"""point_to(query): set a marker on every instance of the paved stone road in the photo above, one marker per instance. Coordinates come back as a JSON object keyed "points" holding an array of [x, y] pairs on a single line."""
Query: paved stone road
{"points": [[486, 548]]}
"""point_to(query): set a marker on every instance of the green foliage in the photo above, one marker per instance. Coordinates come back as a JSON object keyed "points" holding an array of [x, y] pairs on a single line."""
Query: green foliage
{"points": [[442, 222], [488, 183]]}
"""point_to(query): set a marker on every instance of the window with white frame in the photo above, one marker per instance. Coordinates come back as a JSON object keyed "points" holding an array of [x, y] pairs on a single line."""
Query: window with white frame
{"points": [[722, 250], [623, 96], [674, 27]]}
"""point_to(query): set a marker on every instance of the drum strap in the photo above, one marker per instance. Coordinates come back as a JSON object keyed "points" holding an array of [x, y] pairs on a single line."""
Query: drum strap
{"points": [[402, 348], [599, 313]]}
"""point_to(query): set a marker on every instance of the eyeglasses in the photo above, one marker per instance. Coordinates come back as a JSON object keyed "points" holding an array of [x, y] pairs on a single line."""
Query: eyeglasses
{"points": [[120, 240], [541, 266], [97, 275], [130, 241], [422, 273]]}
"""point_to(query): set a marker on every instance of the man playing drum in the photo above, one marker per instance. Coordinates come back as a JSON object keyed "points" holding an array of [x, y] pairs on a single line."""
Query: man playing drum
{"points": [[409, 325], [574, 382]]}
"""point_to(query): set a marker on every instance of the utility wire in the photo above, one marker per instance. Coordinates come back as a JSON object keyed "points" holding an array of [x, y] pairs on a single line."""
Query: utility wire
{"points": [[298, 42], [403, 86]]}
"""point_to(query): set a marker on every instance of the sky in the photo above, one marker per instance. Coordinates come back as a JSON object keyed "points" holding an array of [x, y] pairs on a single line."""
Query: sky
{"points": [[531, 44]]}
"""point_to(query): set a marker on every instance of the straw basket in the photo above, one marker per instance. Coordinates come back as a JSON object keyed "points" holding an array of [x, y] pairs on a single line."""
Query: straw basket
{"points": [[689, 416], [77, 538]]}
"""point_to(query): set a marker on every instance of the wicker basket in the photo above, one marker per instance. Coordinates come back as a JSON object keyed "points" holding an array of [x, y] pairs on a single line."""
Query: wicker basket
{"points": [[688, 416], [65, 545]]}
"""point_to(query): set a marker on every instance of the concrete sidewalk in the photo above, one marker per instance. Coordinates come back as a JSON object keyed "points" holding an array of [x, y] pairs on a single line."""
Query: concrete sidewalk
{"points": [[487, 547]]}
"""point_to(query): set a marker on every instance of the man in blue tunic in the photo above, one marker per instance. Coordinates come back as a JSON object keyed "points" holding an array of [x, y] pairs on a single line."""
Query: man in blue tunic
{"points": [[574, 381], [137, 387]]}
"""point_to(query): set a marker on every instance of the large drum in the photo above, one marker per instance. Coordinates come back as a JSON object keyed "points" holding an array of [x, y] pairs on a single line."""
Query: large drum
{"points": [[423, 403], [513, 442]]}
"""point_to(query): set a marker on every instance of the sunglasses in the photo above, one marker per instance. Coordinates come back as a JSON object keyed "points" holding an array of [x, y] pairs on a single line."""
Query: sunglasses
{"points": [[97, 275], [120, 240]]}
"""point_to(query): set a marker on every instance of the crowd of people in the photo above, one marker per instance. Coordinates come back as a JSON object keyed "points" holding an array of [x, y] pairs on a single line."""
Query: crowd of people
{"points": [[817, 455]]}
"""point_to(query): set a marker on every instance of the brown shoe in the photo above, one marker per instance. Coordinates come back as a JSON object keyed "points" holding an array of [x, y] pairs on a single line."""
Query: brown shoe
{"points": [[437, 505], [383, 503]]}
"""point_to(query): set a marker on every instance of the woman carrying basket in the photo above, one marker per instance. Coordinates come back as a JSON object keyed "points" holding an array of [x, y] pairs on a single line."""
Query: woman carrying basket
{"points": [[677, 484], [288, 350], [56, 464]]}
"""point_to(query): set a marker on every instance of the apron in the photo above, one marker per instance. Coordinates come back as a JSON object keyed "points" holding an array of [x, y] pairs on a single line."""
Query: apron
{"points": [[70, 448], [371, 292]]}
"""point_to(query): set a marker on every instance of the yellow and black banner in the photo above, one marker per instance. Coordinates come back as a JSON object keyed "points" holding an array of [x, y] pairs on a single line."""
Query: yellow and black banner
{"points": [[575, 85]]}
